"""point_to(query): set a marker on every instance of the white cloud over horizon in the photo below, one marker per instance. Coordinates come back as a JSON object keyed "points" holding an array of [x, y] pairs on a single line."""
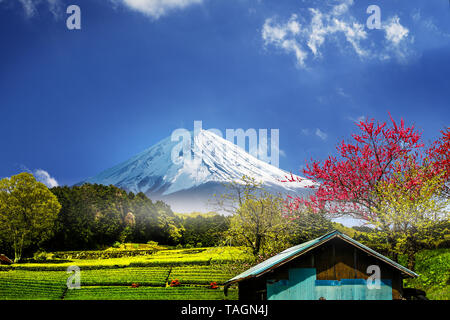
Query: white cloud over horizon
{"points": [[305, 39], [40, 175], [44, 177]]}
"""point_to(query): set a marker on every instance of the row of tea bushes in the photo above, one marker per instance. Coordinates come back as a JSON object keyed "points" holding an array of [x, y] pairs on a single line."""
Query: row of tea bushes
{"points": [[105, 254]]}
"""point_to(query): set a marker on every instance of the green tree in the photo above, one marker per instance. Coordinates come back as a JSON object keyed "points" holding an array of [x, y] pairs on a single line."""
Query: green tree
{"points": [[28, 211], [257, 221], [208, 229], [95, 216], [309, 225], [412, 215]]}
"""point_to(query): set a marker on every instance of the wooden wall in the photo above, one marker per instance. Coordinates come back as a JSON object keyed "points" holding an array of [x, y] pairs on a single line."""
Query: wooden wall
{"points": [[334, 260]]}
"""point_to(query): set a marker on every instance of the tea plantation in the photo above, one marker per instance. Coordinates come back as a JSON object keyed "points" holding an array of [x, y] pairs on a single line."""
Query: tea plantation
{"points": [[164, 275]]}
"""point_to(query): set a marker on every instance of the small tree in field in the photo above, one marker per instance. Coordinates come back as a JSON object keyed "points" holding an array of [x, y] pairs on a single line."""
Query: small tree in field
{"points": [[257, 221], [28, 211]]}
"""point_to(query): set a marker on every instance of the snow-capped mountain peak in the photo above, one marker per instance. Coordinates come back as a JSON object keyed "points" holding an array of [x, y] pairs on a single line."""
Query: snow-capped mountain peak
{"points": [[173, 167]]}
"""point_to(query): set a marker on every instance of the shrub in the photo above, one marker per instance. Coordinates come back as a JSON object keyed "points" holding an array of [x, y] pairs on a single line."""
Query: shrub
{"points": [[175, 283], [116, 244], [152, 243], [213, 285], [433, 267], [40, 256]]}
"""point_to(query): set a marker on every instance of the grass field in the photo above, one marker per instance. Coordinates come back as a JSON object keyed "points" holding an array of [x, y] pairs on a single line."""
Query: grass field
{"points": [[149, 293], [195, 269], [110, 279]]}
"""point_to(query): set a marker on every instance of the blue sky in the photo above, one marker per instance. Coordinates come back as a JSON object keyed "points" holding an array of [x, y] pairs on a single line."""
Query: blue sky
{"points": [[75, 102]]}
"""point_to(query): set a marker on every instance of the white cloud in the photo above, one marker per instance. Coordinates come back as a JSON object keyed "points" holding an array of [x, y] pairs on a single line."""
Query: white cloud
{"points": [[54, 7], [428, 23], [283, 37], [305, 132], [322, 135], [306, 39], [317, 33], [342, 7], [342, 93], [395, 32], [397, 42], [295, 38], [44, 177], [30, 7], [157, 8], [152, 8], [357, 119]]}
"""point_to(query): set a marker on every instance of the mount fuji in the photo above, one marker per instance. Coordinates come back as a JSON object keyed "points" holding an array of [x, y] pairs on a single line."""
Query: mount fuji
{"points": [[187, 185]]}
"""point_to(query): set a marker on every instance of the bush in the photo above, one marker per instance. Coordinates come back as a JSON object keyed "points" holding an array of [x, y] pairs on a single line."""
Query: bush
{"points": [[199, 245], [105, 254], [116, 245], [175, 283], [40, 256], [433, 267]]}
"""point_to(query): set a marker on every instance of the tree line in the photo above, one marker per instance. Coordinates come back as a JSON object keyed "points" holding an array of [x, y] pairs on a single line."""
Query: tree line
{"points": [[91, 217]]}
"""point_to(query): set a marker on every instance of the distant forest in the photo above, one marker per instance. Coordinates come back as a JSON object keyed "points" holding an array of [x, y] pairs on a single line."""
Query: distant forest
{"points": [[97, 216]]}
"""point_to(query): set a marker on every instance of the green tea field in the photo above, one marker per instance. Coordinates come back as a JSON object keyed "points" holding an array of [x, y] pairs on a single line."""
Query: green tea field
{"points": [[194, 274]]}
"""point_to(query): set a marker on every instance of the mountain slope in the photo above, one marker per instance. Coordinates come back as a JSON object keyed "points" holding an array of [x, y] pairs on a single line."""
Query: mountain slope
{"points": [[187, 185]]}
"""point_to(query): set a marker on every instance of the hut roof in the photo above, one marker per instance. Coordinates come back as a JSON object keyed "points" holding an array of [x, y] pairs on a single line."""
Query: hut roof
{"points": [[293, 252]]}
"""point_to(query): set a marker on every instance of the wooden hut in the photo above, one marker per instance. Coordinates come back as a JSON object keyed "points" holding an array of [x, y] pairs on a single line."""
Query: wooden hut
{"points": [[5, 260], [331, 267]]}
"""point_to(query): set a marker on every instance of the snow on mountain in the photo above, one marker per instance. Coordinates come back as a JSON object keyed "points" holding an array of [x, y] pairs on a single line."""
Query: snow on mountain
{"points": [[189, 181]]}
